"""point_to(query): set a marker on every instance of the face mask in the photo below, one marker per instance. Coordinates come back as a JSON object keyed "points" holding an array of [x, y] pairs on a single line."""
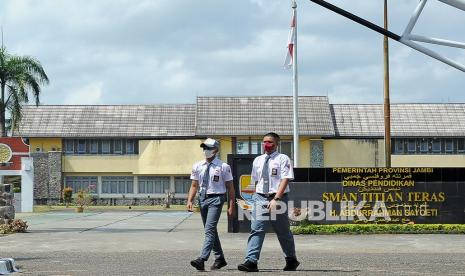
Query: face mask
{"points": [[267, 146], [209, 153]]}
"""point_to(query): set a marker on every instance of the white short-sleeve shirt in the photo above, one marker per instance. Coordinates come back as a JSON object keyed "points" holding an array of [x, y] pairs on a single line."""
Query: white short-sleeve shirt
{"points": [[220, 172], [279, 167]]}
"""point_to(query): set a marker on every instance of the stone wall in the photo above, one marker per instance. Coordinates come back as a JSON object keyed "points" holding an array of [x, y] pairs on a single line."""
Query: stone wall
{"points": [[7, 211], [316, 154], [55, 174], [47, 177]]}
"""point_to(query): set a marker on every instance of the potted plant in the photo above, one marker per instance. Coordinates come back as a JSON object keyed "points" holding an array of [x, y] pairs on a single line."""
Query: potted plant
{"points": [[67, 195], [83, 198]]}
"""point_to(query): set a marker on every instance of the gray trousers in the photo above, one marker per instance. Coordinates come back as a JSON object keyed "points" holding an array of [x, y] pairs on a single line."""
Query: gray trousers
{"points": [[210, 210], [257, 234]]}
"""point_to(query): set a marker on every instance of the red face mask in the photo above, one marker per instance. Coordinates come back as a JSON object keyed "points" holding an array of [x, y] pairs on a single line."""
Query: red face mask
{"points": [[268, 146]]}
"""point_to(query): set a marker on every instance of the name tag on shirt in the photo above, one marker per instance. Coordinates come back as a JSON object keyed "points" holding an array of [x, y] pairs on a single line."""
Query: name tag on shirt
{"points": [[216, 178], [274, 171]]}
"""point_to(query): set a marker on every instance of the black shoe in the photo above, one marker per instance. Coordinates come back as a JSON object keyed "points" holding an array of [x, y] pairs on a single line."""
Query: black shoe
{"points": [[248, 267], [198, 263], [291, 264], [218, 264]]}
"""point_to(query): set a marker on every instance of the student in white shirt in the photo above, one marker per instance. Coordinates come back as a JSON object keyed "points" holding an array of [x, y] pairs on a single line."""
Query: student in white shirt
{"points": [[212, 177], [271, 173]]}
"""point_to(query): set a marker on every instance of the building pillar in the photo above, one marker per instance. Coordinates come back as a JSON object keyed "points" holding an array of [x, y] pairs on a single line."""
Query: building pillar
{"points": [[27, 184], [136, 185]]}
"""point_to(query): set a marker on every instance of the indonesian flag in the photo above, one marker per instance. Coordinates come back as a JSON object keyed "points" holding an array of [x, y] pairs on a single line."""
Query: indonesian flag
{"points": [[290, 45]]}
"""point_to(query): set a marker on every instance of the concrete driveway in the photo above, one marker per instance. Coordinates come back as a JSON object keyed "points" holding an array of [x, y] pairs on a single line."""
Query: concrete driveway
{"points": [[163, 243]]}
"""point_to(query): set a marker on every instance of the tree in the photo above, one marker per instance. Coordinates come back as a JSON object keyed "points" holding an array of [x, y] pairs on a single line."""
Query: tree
{"points": [[19, 76]]}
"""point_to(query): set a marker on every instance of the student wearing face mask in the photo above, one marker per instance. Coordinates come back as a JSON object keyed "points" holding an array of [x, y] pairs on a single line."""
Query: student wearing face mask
{"points": [[212, 178], [271, 173]]}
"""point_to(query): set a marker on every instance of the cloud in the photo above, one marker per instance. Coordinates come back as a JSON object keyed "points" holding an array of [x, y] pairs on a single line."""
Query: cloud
{"points": [[87, 94], [170, 51]]}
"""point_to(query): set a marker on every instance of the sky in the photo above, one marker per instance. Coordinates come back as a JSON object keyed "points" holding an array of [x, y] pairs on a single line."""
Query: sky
{"points": [[171, 51]]}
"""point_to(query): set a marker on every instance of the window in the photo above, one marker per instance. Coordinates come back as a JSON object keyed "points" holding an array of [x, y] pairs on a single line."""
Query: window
{"points": [[106, 146], [242, 147], [93, 146], [117, 185], [449, 145], [424, 146], [461, 145], [118, 147], [153, 184], [130, 146], [411, 146], [249, 147], [429, 145], [81, 146], [286, 148], [82, 183], [256, 147], [69, 146], [182, 184], [100, 146], [399, 146], [436, 146]]}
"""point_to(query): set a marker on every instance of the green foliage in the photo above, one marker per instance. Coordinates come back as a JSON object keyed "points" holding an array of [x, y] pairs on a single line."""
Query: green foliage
{"points": [[17, 190], [83, 198], [379, 229], [19, 76], [13, 226]]}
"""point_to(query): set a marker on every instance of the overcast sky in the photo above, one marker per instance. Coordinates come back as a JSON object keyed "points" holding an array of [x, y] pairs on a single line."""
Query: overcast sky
{"points": [[170, 51]]}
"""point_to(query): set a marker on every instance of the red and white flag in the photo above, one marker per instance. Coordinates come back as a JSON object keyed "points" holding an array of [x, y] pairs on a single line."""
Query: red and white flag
{"points": [[290, 45]]}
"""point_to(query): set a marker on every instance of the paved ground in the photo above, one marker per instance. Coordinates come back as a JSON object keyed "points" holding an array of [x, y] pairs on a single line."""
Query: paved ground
{"points": [[163, 243]]}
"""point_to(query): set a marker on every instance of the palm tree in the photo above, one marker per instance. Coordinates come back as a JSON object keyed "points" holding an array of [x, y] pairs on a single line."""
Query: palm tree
{"points": [[19, 75]]}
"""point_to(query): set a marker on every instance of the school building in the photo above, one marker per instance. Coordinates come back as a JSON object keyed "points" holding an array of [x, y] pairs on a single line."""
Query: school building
{"points": [[133, 154]]}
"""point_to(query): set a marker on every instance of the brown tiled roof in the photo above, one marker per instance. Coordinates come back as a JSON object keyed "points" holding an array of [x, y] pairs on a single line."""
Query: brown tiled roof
{"points": [[108, 121], [242, 116], [407, 120], [258, 115]]}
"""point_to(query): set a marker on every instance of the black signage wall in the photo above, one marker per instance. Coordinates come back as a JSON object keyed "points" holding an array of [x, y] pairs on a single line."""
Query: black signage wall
{"points": [[368, 195], [406, 195], [241, 164]]}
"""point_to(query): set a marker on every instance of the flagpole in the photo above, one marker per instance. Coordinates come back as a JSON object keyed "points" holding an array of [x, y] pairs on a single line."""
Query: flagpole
{"points": [[295, 91], [387, 101]]}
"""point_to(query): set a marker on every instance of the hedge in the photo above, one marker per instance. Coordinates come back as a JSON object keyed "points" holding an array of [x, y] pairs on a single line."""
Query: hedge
{"points": [[314, 229]]}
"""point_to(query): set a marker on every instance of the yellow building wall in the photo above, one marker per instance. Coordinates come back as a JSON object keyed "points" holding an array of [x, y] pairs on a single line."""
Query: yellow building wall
{"points": [[225, 147], [176, 157], [156, 157], [370, 153], [304, 152], [353, 153], [44, 144], [428, 160], [99, 163], [168, 157], [96, 174]]}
